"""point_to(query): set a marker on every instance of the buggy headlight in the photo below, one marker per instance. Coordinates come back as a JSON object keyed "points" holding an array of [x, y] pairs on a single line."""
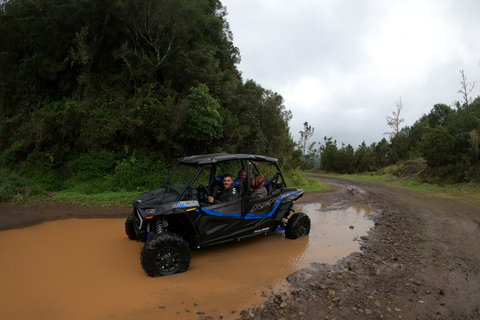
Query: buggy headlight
{"points": [[150, 212]]}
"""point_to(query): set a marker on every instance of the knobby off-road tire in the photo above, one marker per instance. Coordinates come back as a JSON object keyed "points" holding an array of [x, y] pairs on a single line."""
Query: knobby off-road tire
{"points": [[130, 228], [166, 254], [297, 226]]}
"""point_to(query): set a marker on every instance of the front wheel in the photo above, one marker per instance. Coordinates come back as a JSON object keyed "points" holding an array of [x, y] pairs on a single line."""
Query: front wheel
{"points": [[130, 228], [166, 254], [297, 226]]}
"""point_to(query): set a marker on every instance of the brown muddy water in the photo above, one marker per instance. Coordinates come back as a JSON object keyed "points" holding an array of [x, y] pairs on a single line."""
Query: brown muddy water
{"points": [[88, 269]]}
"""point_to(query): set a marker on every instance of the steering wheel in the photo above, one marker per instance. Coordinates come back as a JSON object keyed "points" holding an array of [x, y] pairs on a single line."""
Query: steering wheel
{"points": [[203, 193]]}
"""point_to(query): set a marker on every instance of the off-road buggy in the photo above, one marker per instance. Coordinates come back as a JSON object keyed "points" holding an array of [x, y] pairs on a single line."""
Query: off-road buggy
{"points": [[176, 218]]}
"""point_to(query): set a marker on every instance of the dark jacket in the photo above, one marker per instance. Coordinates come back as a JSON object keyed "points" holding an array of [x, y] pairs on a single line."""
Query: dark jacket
{"points": [[227, 195]]}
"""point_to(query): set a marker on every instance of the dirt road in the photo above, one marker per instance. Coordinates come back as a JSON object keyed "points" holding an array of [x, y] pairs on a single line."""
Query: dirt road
{"points": [[420, 261]]}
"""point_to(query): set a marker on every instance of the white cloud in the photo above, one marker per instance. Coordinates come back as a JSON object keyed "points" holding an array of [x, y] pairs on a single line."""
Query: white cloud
{"points": [[341, 65]]}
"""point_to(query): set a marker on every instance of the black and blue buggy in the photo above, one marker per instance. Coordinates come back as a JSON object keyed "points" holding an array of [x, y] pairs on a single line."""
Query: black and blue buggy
{"points": [[176, 218]]}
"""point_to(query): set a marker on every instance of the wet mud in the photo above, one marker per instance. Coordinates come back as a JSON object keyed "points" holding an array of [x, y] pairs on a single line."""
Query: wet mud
{"points": [[88, 269]]}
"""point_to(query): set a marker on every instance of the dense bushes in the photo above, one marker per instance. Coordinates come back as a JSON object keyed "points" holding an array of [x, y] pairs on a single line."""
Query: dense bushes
{"points": [[136, 175], [109, 97], [111, 76], [89, 173], [447, 139], [14, 185]]}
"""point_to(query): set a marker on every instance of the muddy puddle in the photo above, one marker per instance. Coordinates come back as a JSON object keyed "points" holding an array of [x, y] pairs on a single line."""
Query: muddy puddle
{"points": [[88, 269]]}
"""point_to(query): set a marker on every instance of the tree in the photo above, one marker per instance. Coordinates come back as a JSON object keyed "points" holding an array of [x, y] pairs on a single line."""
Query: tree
{"points": [[345, 159], [305, 136], [400, 143], [459, 124], [203, 123], [328, 154], [256, 121], [308, 151], [475, 145], [394, 121], [438, 115], [382, 154], [466, 89], [363, 158], [437, 147]]}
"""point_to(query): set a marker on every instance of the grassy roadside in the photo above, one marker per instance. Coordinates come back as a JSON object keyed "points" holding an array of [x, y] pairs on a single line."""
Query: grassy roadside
{"points": [[299, 180], [125, 198], [446, 190]]}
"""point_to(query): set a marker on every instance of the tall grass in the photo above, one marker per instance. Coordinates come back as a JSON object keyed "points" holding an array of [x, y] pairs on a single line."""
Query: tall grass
{"points": [[90, 179]]}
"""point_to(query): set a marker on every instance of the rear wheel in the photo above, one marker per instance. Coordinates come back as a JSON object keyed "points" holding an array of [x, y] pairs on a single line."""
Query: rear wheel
{"points": [[166, 254], [297, 226], [130, 228]]}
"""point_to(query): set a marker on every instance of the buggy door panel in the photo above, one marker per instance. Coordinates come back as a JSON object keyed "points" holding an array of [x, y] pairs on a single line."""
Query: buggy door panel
{"points": [[220, 220], [260, 206], [259, 213]]}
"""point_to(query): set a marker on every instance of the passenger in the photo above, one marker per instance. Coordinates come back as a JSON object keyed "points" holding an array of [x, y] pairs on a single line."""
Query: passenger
{"points": [[229, 192], [258, 185], [241, 176]]}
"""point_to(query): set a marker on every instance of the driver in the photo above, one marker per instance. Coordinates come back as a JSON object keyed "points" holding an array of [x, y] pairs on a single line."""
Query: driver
{"points": [[229, 192]]}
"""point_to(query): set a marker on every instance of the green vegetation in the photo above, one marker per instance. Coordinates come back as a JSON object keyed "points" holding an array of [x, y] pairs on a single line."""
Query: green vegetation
{"points": [[93, 173], [298, 179], [107, 99], [441, 147]]}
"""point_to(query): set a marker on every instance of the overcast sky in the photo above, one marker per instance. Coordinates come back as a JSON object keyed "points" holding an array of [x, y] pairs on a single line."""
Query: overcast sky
{"points": [[341, 65]]}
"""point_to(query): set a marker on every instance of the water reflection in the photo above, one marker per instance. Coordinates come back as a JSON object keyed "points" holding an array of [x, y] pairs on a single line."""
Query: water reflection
{"points": [[87, 269], [331, 237]]}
